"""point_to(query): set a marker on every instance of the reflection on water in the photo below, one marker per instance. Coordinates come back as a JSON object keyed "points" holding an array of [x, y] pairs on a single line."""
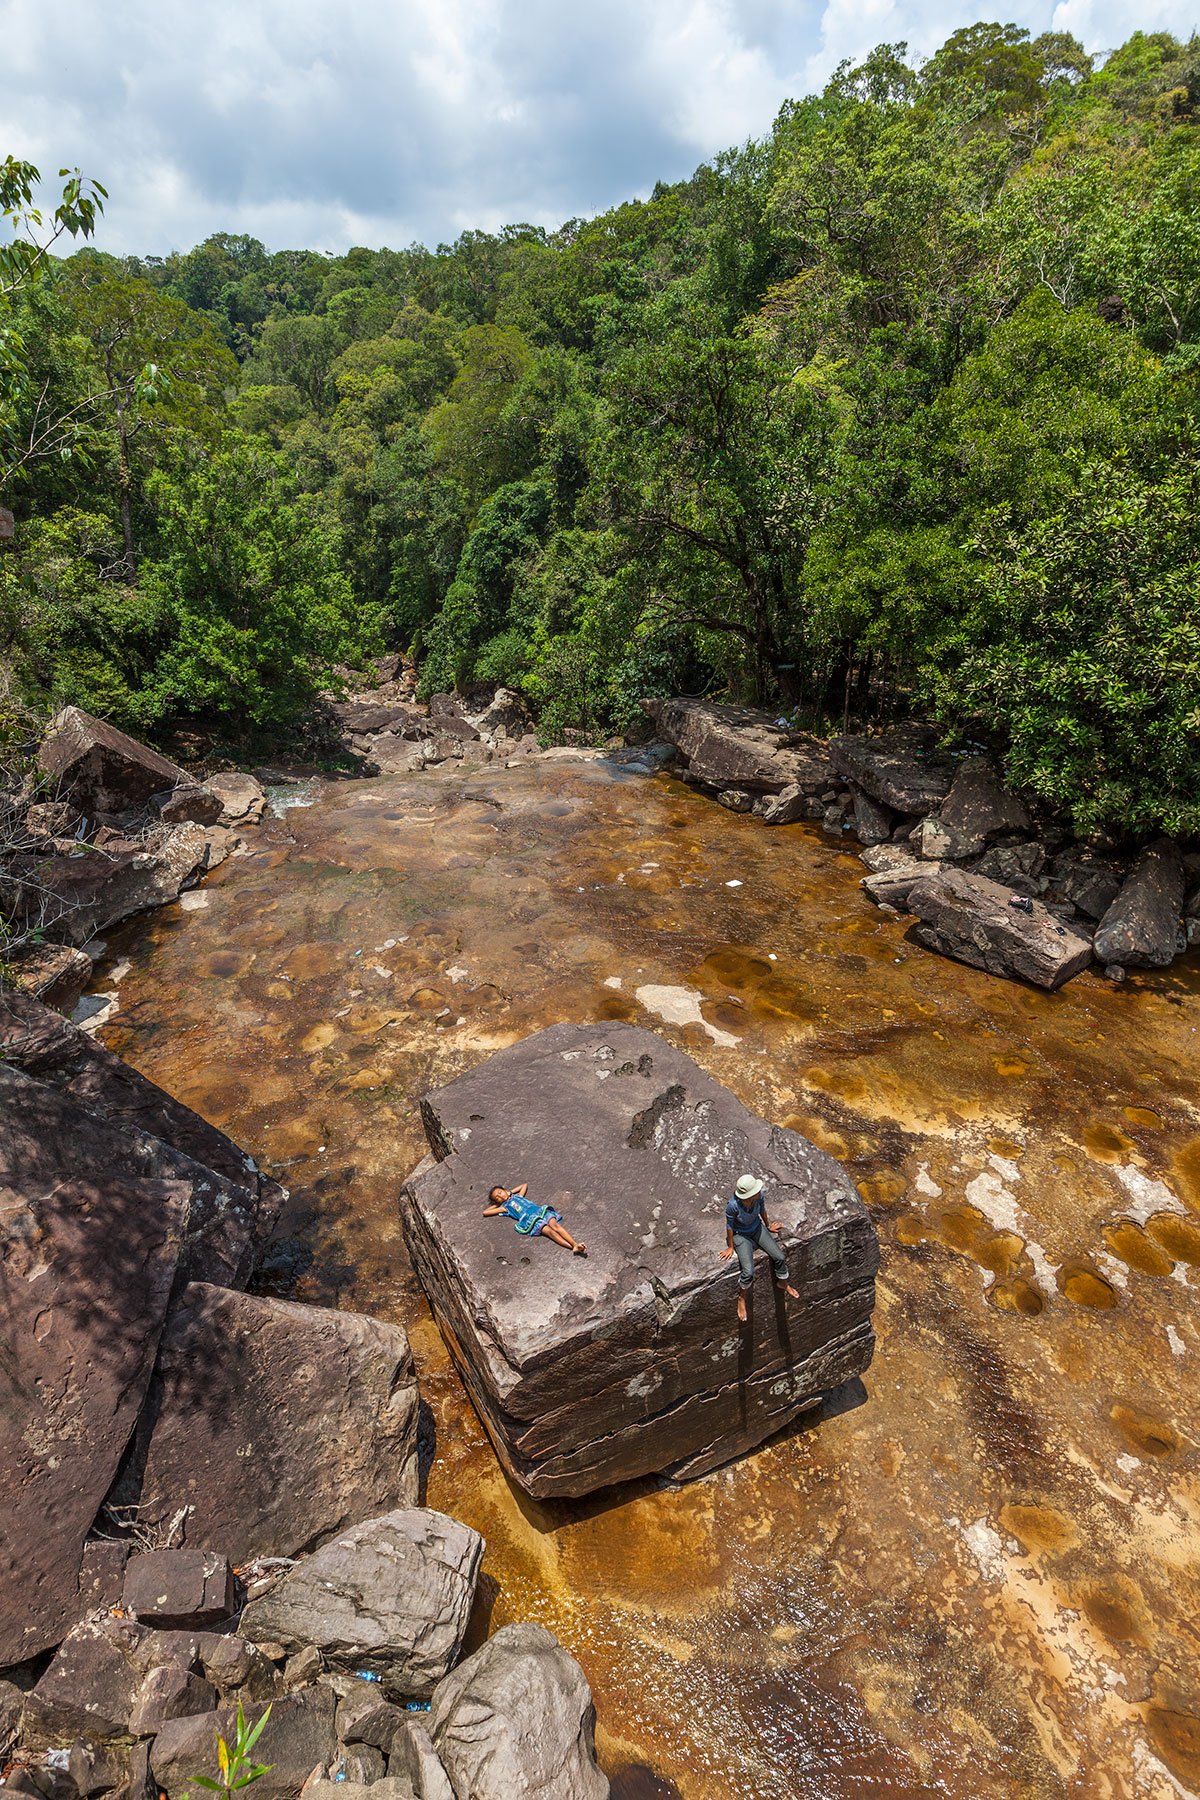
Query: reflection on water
{"points": [[983, 1580]]}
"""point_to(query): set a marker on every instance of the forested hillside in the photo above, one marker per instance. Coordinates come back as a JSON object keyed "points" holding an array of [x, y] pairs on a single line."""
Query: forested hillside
{"points": [[894, 409]]}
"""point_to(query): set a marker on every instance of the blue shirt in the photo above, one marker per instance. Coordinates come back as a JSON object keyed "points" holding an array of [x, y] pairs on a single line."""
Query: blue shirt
{"points": [[521, 1210], [743, 1217]]}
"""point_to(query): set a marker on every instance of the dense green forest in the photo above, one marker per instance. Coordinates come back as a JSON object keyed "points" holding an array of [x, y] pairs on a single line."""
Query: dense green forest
{"points": [[893, 410]]}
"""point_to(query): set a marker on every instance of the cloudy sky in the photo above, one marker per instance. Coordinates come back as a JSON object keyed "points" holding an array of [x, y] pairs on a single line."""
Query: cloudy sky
{"points": [[326, 123]]}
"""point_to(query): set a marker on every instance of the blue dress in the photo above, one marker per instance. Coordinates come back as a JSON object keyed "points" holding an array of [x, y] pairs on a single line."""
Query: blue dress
{"points": [[527, 1215]]}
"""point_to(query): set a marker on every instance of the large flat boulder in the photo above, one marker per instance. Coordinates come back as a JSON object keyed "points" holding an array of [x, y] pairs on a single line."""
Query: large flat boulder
{"points": [[592, 1370], [103, 770], [90, 1254], [978, 921], [517, 1719], [740, 747], [392, 1596], [895, 769], [278, 1425], [1141, 927]]}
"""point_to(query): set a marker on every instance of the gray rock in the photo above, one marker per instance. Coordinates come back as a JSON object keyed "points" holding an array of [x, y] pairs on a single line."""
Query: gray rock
{"points": [[365, 1717], [101, 769], [1141, 928], [938, 842], [97, 1768], [740, 747], [592, 1370], [360, 1763], [517, 1719], [241, 796], [789, 805], [892, 884], [392, 1787], [297, 1738], [505, 715], [179, 1587], [12, 1701], [237, 1668], [736, 800], [979, 807], [81, 894], [872, 822], [894, 769], [968, 917], [415, 1759], [392, 1596], [304, 1421]]}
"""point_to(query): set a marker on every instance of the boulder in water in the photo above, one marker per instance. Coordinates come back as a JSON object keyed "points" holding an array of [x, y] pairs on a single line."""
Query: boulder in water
{"points": [[1141, 928], [591, 1370], [978, 921]]}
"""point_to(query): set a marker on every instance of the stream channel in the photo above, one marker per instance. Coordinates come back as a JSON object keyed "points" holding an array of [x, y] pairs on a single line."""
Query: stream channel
{"points": [[979, 1574]]}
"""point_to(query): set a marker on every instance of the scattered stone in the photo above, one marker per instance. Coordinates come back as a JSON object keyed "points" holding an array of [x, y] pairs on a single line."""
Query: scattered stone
{"points": [[979, 808], [938, 842], [506, 715], [169, 1692], [53, 820], [96, 1768], [1015, 866], [790, 804], [894, 769], [12, 1700], [392, 1787], [238, 1667], [298, 1737], [361, 1763], [305, 1666], [190, 803], [55, 974], [103, 770], [278, 1424], [1141, 927], [92, 1683], [592, 1370], [968, 917], [391, 1596], [241, 796], [364, 1717], [872, 822], [179, 1587], [517, 1718], [736, 800], [892, 884], [415, 1759]]}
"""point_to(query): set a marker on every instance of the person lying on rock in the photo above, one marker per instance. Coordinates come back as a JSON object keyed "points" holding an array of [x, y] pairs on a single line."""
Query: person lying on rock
{"points": [[747, 1227], [530, 1219]]}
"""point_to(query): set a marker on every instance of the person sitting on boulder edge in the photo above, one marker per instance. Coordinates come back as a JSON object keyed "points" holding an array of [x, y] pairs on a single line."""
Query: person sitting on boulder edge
{"points": [[747, 1225], [530, 1219]]}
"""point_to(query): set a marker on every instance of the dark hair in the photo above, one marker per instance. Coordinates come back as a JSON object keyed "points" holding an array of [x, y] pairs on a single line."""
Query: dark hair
{"points": [[497, 1190]]}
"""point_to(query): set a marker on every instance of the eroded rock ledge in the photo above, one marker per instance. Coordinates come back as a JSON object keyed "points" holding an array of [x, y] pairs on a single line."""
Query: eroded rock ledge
{"points": [[591, 1371]]}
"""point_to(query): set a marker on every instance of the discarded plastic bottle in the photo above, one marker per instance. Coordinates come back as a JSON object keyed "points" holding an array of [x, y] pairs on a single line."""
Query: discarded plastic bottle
{"points": [[367, 1675], [416, 1706]]}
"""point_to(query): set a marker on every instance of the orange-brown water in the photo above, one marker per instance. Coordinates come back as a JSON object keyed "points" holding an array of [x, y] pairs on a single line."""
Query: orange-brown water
{"points": [[982, 1579]]}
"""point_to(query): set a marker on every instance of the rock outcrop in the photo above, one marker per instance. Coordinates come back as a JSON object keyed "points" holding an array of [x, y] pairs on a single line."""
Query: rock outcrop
{"points": [[392, 1597], [276, 1424], [592, 1370], [517, 1719], [895, 769], [977, 921], [731, 747], [240, 797], [1141, 928]]}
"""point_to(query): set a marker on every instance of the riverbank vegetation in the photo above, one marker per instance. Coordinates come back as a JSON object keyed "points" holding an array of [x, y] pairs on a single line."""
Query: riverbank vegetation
{"points": [[892, 409]]}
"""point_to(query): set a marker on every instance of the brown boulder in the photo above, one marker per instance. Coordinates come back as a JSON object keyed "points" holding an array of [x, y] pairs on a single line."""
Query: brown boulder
{"points": [[1141, 929], [979, 807], [740, 747], [241, 796], [92, 1684], [590, 1371], [189, 804], [278, 1425], [55, 974], [78, 895], [91, 1253], [974, 920], [102, 770], [297, 1738]]}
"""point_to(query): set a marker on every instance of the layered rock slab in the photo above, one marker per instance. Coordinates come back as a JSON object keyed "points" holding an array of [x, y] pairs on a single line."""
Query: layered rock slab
{"points": [[588, 1371]]}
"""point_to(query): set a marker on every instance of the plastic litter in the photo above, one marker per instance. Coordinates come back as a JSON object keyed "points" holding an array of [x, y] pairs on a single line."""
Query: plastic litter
{"points": [[1021, 903], [367, 1675], [416, 1706]]}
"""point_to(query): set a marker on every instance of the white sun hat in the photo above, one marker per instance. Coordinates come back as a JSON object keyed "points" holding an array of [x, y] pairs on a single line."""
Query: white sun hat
{"points": [[748, 1186]]}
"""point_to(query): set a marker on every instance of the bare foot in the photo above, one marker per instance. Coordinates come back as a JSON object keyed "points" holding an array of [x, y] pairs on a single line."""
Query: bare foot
{"points": [[792, 1293], [742, 1308], [580, 1250]]}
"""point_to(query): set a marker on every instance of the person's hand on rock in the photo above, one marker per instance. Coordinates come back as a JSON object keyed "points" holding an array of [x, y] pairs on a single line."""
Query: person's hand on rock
{"points": [[725, 1255]]}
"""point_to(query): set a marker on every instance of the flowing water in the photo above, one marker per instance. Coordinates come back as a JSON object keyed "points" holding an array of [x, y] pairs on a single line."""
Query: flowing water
{"points": [[977, 1577]]}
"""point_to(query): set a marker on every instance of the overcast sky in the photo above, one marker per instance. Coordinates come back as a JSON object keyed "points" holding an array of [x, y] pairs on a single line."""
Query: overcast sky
{"points": [[326, 123]]}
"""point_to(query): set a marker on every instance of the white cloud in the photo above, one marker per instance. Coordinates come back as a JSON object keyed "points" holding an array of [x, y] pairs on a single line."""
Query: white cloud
{"points": [[385, 121]]}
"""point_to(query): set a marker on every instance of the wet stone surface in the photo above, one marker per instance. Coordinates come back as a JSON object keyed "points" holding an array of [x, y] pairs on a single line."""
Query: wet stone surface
{"points": [[976, 1577]]}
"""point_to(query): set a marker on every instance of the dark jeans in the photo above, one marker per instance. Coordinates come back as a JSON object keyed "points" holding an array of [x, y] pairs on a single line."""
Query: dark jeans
{"points": [[745, 1255]]}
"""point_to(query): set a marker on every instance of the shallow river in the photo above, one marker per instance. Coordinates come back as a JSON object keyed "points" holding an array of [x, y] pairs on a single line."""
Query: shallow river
{"points": [[980, 1576]]}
